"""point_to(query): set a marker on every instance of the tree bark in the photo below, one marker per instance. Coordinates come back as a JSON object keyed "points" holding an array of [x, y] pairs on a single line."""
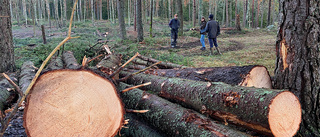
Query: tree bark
{"points": [[27, 73], [137, 128], [123, 34], [43, 34], [70, 102], [253, 75], [139, 21], [24, 10], [256, 109], [180, 14], [92, 13], [48, 12], [6, 44], [269, 12], [55, 63], [151, 17], [252, 14], [7, 93], [297, 67], [194, 13], [258, 12], [244, 19], [171, 118], [70, 60], [227, 13]]}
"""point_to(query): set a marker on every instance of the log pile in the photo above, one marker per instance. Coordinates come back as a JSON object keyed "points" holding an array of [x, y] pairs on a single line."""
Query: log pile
{"points": [[184, 101]]}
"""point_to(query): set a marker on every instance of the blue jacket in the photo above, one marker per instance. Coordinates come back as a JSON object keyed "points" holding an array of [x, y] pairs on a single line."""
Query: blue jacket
{"points": [[213, 29], [174, 24]]}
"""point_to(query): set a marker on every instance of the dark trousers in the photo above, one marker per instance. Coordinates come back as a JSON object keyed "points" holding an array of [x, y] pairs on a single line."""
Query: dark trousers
{"points": [[174, 36], [213, 41]]}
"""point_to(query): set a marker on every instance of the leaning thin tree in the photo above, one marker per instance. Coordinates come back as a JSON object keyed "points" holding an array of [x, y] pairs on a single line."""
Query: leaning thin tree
{"points": [[297, 63]]}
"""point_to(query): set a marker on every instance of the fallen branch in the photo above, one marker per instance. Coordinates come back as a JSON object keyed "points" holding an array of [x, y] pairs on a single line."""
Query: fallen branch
{"points": [[120, 68]]}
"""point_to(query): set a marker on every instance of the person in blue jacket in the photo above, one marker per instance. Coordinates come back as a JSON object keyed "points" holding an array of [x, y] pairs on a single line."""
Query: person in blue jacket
{"points": [[174, 24], [213, 30]]}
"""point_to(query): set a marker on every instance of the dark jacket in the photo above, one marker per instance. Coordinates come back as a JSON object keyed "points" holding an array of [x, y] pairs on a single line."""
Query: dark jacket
{"points": [[203, 27], [213, 29], [174, 24]]}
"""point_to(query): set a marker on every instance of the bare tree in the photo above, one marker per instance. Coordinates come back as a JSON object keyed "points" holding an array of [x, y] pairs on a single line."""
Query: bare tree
{"points": [[252, 14], [227, 13], [6, 43], [151, 13], [92, 13], [244, 18], [297, 62], [269, 12], [48, 12], [194, 13], [180, 13], [24, 10], [257, 13]]}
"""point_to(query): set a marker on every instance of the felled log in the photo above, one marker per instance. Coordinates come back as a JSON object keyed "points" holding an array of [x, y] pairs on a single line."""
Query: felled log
{"points": [[7, 93], [173, 119], [69, 59], [162, 65], [15, 128], [137, 128], [55, 63], [26, 75], [266, 111], [73, 103], [252, 75]]}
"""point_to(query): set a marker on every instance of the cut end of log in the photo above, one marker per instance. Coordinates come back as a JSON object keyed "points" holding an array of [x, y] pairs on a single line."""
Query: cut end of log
{"points": [[258, 77], [284, 114], [73, 103]]}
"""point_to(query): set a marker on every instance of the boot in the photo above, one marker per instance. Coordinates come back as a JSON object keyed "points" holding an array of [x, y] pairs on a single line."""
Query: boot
{"points": [[218, 50], [211, 50]]}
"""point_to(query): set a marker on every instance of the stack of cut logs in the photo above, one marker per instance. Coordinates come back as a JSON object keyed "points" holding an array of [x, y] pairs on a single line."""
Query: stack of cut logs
{"points": [[70, 99]]}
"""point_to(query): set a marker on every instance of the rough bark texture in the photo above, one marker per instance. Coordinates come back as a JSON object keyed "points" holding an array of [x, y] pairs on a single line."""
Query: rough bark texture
{"points": [[7, 93], [69, 60], [235, 75], [171, 118], [139, 21], [16, 128], [6, 43], [297, 63], [26, 75], [248, 107], [55, 63], [120, 7], [180, 14], [137, 128]]}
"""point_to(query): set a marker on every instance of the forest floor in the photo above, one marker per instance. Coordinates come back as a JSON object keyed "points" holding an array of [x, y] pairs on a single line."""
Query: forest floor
{"points": [[239, 48]]}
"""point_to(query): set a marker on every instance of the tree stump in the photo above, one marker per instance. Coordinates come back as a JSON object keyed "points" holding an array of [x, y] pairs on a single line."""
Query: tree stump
{"points": [[73, 103]]}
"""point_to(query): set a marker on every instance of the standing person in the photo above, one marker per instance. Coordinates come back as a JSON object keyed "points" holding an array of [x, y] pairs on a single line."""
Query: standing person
{"points": [[203, 32], [174, 25], [213, 30]]}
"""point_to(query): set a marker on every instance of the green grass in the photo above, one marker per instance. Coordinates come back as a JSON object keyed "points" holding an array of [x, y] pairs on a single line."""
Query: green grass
{"points": [[246, 47]]}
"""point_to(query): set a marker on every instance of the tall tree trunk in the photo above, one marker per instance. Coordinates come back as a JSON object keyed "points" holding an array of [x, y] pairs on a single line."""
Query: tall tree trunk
{"points": [[129, 12], [169, 8], [215, 9], [297, 67], [121, 19], [151, 18], [11, 14], [227, 14], [56, 12], [32, 5], [48, 12], [40, 9], [65, 12], [180, 14], [252, 14], [6, 44], [24, 10], [194, 13], [224, 12], [257, 13], [269, 12], [200, 11], [236, 11], [100, 8], [262, 14], [135, 15], [92, 12], [139, 21], [80, 10], [244, 18]]}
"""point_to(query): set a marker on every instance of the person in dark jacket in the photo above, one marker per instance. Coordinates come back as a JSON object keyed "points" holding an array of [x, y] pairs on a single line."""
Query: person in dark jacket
{"points": [[213, 30], [203, 32], [174, 25]]}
